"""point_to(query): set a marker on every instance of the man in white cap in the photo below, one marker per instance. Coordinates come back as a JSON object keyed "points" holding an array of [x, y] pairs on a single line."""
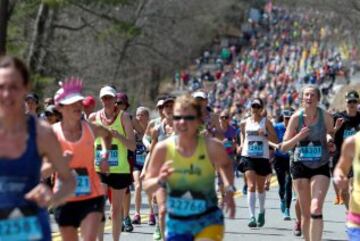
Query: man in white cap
{"points": [[119, 177]]}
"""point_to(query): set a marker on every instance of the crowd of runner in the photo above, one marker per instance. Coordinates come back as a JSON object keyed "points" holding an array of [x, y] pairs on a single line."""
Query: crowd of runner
{"points": [[263, 112]]}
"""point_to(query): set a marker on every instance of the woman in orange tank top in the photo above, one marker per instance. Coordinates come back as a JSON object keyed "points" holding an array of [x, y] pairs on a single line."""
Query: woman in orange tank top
{"points": [[76, 136]]}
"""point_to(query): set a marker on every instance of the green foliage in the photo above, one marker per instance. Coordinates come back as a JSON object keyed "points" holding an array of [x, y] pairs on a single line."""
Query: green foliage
{"points": [[121, 29], [39, 83]]}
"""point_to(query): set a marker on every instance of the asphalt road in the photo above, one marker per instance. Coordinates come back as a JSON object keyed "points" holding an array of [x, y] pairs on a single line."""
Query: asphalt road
{"points": [[275, 228]]}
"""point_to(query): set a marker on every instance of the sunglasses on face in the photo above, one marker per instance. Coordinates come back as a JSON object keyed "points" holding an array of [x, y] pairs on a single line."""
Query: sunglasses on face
{"points": [[120, 103], [184, 117], [225, 117], [352, 102], [287, 114], [256, 106]]}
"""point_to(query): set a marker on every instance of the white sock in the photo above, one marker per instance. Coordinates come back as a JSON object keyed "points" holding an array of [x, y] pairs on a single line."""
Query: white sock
{"points": [[261, 197], [251, 197]]}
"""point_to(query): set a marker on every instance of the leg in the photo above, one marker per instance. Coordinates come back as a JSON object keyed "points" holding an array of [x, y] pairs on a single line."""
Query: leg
{"points": [[260, 186], [302, 187], [117, 211], [251, 184], [280, 174], [103, 220], [161, 201], [128, 227], [90, 225], [319, 187], [137, 194], [69, 233]]}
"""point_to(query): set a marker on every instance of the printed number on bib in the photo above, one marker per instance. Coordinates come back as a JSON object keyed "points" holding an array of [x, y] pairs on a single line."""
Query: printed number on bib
{"points": [[348, 133], [20, 229], [113, 156], [185, 207], [309, 151], [255, 148], [83, 186], [140, 159]]}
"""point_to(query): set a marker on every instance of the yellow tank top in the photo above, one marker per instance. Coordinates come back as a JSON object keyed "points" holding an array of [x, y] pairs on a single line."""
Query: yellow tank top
{"points": [[191, 187], [118, 158], [354, 207]]}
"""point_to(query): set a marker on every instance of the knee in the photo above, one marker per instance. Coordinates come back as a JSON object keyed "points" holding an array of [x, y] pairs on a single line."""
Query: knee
{"points": [[251, 187], [138, 186], [162, 211], [316, 207]]}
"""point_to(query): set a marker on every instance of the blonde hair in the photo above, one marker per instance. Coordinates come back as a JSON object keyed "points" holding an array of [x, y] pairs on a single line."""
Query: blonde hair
{"points": [[187, 101]]}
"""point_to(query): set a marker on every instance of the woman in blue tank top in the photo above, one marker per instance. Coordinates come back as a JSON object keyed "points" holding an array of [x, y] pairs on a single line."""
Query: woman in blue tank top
{"points": [[25, 140]]}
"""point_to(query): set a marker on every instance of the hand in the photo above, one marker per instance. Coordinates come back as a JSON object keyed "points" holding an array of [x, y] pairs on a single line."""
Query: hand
{"points": [[229, 204], [68, 155], [165, 171], [41, 195], [338, 123], [115, 133], [142, 175], [304, 132], [104, 166], [342, 182], [331, 146], [261, 132]]}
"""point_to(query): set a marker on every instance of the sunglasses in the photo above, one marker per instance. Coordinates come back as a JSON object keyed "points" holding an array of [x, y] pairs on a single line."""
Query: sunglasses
{"points": [[224, 117], [256, 106], [287, 113], [184, 117], [120, 103], [352, 102]]}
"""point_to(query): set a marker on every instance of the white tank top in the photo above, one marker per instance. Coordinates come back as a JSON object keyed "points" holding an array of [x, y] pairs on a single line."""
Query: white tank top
{"points": [[255, 146]]}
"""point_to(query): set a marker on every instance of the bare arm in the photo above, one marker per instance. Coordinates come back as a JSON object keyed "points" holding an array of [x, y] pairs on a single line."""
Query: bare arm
{"points": [[137, 127], [272, 134], [291, 138], [343, 167], [157, 169], [49, 147], [129, 138]]}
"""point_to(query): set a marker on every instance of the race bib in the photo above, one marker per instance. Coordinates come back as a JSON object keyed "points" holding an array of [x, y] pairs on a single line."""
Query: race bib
{"points": [[309, 152], [255, 148], [228, 146], [83, 186], [348, 133], [20, 229], [140, 159], [185, 207], [113, 156]]}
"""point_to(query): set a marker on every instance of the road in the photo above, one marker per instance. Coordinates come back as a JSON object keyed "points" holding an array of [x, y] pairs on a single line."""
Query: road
{"points": [[275, 228]]}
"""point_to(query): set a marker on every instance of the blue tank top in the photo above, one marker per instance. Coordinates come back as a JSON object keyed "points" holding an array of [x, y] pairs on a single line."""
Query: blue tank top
{"points": [[22, 218], [280, 132]]}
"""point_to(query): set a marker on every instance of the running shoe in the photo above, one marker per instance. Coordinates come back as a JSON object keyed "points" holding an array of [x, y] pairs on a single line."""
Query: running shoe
{"points": [[252, 223], [261, 219], [287, 214], [157, 233], [297, 229], [128, 227], [282, 206], [244, 190], [136, 219], [152, 220]]}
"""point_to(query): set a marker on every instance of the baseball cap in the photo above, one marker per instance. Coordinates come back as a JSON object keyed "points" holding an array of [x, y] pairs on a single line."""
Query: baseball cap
{"points": [[107, 90], [51, 109], [70, 92], [122, 97], [89, 101], [256, 102], [168, 99], [352, 95], [32, 96], [200, 94], [159, 103]]}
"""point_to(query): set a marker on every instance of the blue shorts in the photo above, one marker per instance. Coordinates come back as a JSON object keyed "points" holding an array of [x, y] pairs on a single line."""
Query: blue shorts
{"points": [[353, 234], [187, 229]]}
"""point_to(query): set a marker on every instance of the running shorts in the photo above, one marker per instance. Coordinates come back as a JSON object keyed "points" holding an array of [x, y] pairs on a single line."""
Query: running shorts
{"points": [[261, 166], [116, 181], [299, 170]]}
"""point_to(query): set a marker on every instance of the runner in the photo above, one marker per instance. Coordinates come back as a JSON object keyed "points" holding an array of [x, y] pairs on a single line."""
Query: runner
{"points": [[161, 132], [194, 159], [119, 177], [25, 140], [77, 136], [32, 104], [307, 134], [347, 123], [142, 115], [350, 158], [256, 132], [281, 164]]}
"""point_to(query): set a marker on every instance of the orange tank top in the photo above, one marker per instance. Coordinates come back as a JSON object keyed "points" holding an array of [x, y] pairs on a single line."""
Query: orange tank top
{"points": [[88, 182]]}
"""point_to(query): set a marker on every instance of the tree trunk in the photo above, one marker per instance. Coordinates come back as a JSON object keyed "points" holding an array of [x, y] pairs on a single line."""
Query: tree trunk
{"points": [[4, 5], [36, 43]]}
